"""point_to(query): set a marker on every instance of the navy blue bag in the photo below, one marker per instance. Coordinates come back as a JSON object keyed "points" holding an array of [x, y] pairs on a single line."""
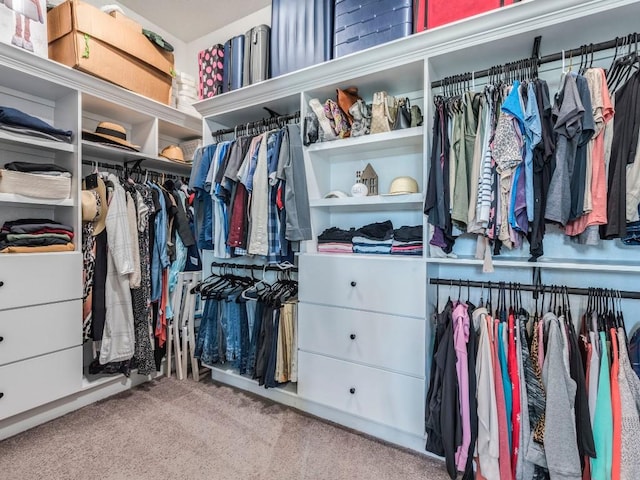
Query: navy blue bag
{"points": [[233, 63]]}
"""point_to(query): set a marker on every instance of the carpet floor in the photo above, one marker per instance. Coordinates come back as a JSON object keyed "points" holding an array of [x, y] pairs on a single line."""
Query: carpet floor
{"points": [[168, 429]]}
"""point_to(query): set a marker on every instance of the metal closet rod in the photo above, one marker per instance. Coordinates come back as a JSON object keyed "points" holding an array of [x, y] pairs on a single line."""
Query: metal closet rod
{"points": [[258, 123], [532, 288], [554, 57], [244, 266], [123, 168]]}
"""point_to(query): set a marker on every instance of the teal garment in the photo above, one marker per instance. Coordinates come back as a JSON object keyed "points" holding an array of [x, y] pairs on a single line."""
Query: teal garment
{"points": [[176, 267], [506, 380], [603, 420]]}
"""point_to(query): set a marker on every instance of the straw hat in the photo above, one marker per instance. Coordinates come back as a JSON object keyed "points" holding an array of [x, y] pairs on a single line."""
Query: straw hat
{"points": [[100, 218], [403, 186], [173, 152], [112, 133], [89, 202]]}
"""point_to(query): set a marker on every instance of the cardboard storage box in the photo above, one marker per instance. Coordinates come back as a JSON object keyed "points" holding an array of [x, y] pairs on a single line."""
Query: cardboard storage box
{"points": [[23, 23], [124, 19], [94, 42]]}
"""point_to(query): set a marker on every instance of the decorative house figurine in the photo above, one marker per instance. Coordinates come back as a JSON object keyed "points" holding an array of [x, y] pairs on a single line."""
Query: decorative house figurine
{"points": [[370, 179]]}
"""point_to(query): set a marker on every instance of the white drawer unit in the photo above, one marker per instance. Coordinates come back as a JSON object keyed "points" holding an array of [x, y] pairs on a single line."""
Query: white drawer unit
{"points": [[39, 278], [381, 285], [34, 382], [389, 398], [31, 331], [385, 341]]}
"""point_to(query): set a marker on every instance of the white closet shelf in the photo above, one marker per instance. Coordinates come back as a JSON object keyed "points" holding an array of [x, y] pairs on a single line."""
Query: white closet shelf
{"points": [[92, 150], [358, 145], [372, 203], [21, 199], [382, 256], [230, 373], [40, 143], [549, 263]]}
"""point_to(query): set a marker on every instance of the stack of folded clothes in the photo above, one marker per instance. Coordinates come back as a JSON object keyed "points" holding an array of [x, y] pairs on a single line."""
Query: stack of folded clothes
{"points": [[335, 240], [407, 241], [31, 235], [39, 180], [374, 238], [16, 121]]}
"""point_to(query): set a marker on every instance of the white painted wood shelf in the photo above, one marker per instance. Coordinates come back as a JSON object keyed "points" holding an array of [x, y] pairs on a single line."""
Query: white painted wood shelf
{"points": [[97, 151], [544, 263], [374, 202], [35, 142], [408, 137]]}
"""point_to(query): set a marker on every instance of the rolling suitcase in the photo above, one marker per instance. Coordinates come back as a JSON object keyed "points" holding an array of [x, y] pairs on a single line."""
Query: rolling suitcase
{"points": [[233, 63], [301, 34], [210, 66], [361, 24], [256, 55], [433, 13]]}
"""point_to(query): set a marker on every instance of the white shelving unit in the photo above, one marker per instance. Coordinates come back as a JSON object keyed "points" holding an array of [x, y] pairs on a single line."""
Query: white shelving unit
{"points": [[32, 142], [16, 199]]}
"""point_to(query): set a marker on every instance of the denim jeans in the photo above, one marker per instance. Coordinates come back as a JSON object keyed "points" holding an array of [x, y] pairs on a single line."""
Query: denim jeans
{"points": [[244, 336], [253, 344], [203, 207], [230, 321], [207, 349]]}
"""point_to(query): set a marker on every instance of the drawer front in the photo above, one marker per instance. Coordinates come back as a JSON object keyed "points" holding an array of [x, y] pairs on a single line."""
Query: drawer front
{"points": [[395, 343], [389, 398], [380, 285], [31, 331], [34, 382], [39, 278]]}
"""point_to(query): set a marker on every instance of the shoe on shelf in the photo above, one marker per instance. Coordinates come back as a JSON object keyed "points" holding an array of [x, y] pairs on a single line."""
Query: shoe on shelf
{"points": [[27, 46], [17, 41]]}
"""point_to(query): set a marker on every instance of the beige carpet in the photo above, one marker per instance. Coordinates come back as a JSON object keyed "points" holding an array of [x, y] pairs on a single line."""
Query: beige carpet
{"points": [[169, 429]]}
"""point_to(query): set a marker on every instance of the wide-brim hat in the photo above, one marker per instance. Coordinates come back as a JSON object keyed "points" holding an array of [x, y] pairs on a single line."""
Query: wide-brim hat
{"points": [[403, 186], [100, 219], [111, 132], [89, 203], [173, 152]]}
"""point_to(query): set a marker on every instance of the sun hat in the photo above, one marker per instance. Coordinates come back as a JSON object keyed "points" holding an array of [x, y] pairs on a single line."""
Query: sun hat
{"points": [[336, 194], [89, 203], [99, 221], [112, 133], [173, 152], [403, 186]]}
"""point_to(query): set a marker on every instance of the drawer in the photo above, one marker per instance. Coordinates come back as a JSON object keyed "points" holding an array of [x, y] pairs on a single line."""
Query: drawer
{"points": [[389, 398], [39, 278], [31, 331], [34, 382], [380, 285], [396, 343]]}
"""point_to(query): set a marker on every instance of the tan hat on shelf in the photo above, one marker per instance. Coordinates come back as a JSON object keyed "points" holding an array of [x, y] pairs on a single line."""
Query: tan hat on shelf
{"points": [[111, 132], [403, 186], [100, 205], [173, 152]]}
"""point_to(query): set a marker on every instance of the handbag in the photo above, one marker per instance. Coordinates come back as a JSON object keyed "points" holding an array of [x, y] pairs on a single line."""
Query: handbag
{"points": [[383, 112], [311, 129], [403, 116], [346, 98], [416, 116], [338, 118], [326, 131], [361, 113]]}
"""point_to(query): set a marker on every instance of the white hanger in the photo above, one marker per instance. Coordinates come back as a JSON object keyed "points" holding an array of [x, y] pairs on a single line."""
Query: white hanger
{"points": [[254, 287]]}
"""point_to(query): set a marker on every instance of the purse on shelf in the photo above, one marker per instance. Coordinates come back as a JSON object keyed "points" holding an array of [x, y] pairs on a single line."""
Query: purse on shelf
{"points": [[311, 129], [346, 99], [326, 131], [383, 112], [361, 113], [337, 118], [416, 116], [403, 116]]}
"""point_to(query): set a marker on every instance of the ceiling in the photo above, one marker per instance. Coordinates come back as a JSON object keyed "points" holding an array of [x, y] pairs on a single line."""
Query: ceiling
{"points": [[192, 19]]}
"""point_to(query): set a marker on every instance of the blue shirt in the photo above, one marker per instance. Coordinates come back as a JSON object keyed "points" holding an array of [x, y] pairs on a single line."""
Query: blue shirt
{"points": [[533, 136], [160, 257]]}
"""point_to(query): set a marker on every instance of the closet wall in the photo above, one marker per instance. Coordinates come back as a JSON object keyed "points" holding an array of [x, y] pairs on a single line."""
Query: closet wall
{"points": [[374, 296]]}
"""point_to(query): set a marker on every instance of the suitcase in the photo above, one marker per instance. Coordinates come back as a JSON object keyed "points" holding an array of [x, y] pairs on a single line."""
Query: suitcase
{"points": [[256, 55], [301, 34], [433, 13], [361, 24], [233, 63], [210, 66]]}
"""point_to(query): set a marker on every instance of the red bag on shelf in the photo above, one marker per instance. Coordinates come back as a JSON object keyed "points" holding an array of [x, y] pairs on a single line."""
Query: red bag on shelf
{"points": [[433, 13]]}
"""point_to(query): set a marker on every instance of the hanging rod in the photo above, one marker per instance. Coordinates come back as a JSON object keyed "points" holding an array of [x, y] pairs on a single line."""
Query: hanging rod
{"points": [[257, 123], [554, 57], [528, 287], [244, 266]]}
